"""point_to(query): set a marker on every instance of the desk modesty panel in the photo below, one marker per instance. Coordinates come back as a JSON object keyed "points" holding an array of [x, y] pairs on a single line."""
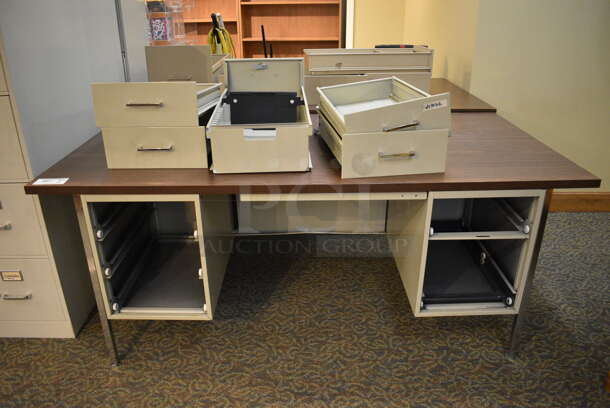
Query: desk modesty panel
{"points": [[485, 152]]}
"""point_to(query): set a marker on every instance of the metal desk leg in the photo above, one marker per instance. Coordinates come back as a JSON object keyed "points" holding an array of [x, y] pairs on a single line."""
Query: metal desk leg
{"points": [[520, 318], [97, 288]]}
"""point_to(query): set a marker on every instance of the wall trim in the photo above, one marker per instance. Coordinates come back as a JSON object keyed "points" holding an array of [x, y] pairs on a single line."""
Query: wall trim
{"points": [[580, 202]]}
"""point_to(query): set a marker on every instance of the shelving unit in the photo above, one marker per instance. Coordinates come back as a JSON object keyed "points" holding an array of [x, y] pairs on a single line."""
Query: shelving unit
{"points": [[291, 26]]}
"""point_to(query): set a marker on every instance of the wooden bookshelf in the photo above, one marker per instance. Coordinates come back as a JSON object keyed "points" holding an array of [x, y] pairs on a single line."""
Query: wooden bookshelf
{"points": [[290, 25]]}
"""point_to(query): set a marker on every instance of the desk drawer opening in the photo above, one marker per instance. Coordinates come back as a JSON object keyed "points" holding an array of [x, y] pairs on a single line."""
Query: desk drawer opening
{"points": [[149, 256]]}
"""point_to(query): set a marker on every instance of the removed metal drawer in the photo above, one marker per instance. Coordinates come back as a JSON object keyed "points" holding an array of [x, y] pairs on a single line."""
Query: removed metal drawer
{"points": [[368, 59], [145, 104], [155, 147], [387, 153]]}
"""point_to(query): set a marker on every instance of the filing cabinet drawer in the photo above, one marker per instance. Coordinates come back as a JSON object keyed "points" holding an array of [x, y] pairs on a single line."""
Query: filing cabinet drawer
{"points": [[145, 104], [20, 233], [27, 291], [387, 153], [368, 59], [155, 147], [419, 79], [12, 165]]}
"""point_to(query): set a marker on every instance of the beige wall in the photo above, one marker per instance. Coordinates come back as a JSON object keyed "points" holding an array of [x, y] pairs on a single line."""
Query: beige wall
{"points": [[378, 22], [449, 27], [545, 65]]}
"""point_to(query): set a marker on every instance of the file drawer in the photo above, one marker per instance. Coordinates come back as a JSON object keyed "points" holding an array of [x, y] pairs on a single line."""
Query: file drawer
{"points": [[386, 105], [12, 165], [155, 147], [339, 60], [181, 63], [20, 233], [145, 104], [419, 79], [387, 154], [27, 291]]}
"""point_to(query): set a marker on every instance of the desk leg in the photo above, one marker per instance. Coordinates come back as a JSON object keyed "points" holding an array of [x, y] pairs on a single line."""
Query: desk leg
{"points": [[106, 325], [520, 318]]}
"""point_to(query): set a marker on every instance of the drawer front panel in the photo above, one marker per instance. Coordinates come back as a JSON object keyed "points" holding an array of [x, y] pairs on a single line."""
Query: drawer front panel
{"points": [[243, 150], [388, 154], [145, 104], [155, 147], [369, 61], [419, 80], [20, 233], [34, 297], [12, 166]]}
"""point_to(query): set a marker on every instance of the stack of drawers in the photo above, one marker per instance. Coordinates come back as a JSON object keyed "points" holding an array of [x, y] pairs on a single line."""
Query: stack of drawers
{"points": [[154, 124], [32, 300], [335, 66], [385, 127]]}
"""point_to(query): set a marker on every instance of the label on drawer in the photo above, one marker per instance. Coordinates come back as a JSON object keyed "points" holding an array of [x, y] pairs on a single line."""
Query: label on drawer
{"points": [[51, 181], [442, 103], [11, 275]]}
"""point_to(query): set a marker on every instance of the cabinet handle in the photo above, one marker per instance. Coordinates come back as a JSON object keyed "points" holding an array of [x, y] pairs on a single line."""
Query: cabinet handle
{"points": [[408, 155], [408, 125], [7, 226], [6, 296], [138, 104], [169, 148]]}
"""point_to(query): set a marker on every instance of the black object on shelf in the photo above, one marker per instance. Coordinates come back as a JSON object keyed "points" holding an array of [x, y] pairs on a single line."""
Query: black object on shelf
{"points": [[458, 272], [264, 40], [263, 107]]}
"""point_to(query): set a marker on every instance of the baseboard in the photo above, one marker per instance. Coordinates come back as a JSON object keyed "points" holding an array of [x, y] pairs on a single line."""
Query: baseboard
{"points": [[580, 202]]}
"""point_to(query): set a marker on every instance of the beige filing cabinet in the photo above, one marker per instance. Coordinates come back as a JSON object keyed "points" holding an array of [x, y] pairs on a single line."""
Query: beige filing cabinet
{"points": [[184, 63], [385, 127], [261, 147], [44, 285], [154, 124], [335, 66]]}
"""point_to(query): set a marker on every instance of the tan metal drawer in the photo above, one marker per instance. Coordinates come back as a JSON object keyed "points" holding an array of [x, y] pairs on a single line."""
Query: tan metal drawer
{"points": [[419, 79], [155, 147], [20, 232], [383, 104], [12, 165], [34, 297], [368, 59], [145, 104], [387, 153]]}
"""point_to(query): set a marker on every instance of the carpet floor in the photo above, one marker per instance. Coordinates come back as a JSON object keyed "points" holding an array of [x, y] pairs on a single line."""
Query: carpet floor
{"points": [[301, 329]]}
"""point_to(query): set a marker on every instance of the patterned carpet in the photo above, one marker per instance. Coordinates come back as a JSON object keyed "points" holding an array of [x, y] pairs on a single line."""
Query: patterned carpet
{"points": [[297, 330]]}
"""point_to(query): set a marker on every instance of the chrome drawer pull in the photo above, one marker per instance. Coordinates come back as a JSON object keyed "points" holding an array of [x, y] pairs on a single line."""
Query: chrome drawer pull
{"points": [[7, 226], [6, 296], [169, 148], [409, 155], [408, 125], [138, 104]]}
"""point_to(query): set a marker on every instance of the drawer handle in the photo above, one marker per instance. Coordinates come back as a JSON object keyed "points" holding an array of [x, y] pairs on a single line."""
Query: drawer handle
{"points": [[7, 226], [408, 125], [139, 104], [6, 296], [408, 155], [169, 148], [179, 78]]}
